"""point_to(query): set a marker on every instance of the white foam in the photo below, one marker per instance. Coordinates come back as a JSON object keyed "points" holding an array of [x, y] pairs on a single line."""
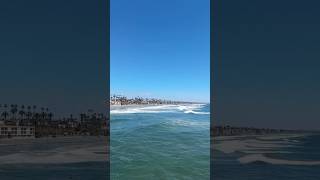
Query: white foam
{"points": [[72, 150], [194, 112], [262, 158], [254, 148], [232, 145], [185, 108], [190, 123], [280, 136], [57, 156]]}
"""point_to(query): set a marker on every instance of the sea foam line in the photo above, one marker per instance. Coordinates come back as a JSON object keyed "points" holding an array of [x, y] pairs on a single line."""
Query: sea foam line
{"points": [[192, 108], [58, 156], [262, 158], [260, 145]]}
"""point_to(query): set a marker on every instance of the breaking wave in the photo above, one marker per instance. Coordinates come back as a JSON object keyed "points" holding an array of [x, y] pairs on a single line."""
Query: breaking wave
{"points": [[57, 157], [186, 108], [188, 123], [256, 149], [262, 158]]}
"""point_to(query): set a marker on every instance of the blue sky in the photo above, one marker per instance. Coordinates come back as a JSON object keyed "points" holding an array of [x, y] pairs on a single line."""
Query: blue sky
{"points": [[161, 49]]}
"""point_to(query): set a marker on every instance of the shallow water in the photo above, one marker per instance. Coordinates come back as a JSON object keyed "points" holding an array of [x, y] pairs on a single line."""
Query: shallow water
{"points": [[160, 142]]}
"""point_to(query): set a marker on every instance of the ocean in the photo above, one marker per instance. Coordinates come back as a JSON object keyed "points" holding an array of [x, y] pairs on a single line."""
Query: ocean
{"points": [[160, 142], [276, 157]]}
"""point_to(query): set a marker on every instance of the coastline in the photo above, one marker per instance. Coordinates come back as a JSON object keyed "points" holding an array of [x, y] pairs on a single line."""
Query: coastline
{"points": [[157, 108], [262, 136], [142, 105], [25, 139]]}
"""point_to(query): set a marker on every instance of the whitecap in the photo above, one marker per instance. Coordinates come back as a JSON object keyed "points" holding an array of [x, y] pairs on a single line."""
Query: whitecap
{"points": [[185, 108], [262, 158]]}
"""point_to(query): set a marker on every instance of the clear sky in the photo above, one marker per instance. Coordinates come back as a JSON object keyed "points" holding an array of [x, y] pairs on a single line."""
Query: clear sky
{"points": [[161, 49], [53, 54], [267, 63]]}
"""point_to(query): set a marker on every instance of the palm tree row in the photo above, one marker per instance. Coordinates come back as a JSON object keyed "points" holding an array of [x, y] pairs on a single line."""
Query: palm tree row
{"points": [[122, 100], [13, 111]]}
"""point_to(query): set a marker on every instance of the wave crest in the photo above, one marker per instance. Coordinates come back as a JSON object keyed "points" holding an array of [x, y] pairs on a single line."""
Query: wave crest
{"points": [[262, 158], [186, 108]]}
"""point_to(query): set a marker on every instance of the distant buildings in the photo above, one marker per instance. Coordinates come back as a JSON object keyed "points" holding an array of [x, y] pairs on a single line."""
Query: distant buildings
{"points": [[122, 100], [13, 130], [28, 121]]}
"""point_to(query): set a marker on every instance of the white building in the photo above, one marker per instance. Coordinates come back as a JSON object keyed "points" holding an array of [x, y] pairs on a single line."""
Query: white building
{"points": [[16, 131]]}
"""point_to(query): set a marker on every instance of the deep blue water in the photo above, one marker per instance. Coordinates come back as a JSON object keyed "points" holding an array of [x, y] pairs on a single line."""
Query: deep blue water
{"points": [[160, 143]]}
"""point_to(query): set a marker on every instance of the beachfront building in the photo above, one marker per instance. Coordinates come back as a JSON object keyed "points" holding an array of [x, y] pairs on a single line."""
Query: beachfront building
{"points": [[12, 130], [26, 121], [116, 100]]}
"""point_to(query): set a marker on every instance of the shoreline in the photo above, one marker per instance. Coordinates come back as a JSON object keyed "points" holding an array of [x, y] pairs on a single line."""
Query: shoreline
{"points": [[270, 136], [48, 137], [135, 105], [156, 108]]}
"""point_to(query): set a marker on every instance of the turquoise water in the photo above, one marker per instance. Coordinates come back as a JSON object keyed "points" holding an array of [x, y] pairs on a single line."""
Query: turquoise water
{"points": [[282, 158], [160, 142]]}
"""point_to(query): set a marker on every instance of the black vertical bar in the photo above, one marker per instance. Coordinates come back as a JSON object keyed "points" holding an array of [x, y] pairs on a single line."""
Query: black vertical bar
{"points": [[108, 86], [213, 48], [211, 86]]}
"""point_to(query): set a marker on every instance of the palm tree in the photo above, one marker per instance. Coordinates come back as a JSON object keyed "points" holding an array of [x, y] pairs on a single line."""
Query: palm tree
{"points": [[43, 114], [14, 110], [36, 118], [82, 117], [34, 107], [29, 114], [21, 113], [5, 114], [50, 115]]}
